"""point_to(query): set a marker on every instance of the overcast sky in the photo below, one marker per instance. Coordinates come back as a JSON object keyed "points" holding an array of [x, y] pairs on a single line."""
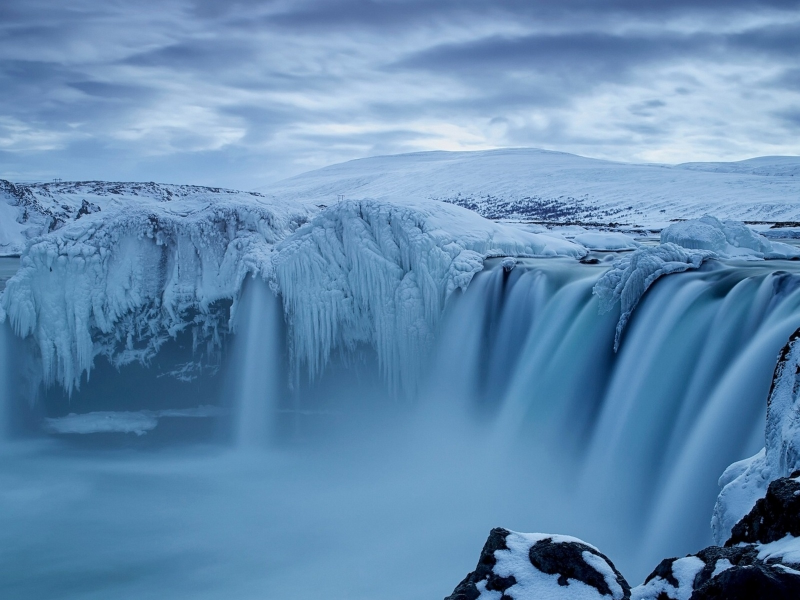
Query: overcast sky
{"points": [[241, 92]]}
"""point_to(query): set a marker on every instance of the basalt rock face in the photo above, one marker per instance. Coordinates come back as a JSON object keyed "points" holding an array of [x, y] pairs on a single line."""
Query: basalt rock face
{"points": [[520, 566], [717, 573], [484, 573], [774, 516]]}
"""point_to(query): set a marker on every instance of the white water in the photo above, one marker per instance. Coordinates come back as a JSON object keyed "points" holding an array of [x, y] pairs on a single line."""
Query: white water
{"points": [[527, 420]]}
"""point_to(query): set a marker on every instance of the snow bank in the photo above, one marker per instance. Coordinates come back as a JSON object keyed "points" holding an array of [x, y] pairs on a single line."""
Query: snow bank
{"points": [[631, 276], [123, 281], [377, 273], [728, 239], [744, 482]]}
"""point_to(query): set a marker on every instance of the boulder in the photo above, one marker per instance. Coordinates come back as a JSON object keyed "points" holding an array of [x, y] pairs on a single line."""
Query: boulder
{"points": [[523, 566]]}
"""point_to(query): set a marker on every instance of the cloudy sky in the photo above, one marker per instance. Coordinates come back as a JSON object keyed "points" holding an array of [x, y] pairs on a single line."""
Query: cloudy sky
{"points": [[242, 92]]}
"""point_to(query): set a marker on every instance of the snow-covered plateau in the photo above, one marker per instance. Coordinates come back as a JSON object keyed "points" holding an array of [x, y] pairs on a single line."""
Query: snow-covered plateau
{"points": [[440, 333]]}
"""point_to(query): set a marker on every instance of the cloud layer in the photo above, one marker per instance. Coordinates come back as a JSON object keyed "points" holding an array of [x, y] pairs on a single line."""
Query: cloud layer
{"points": [[242, 92]]}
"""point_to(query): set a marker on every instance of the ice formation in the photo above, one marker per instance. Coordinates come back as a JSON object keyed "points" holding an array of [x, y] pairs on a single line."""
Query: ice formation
{"points": [[138, 422], [606, 240], [744, 482], [631, 276], [378, 273], [728, 239], [123, 281]]}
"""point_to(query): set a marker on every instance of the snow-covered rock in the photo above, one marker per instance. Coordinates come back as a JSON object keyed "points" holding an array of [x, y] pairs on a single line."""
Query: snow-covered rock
{"points": [[379, 273], [728, 239], [533, 566], [734, 573], [761, 559], [631, 275], [744, 482]]}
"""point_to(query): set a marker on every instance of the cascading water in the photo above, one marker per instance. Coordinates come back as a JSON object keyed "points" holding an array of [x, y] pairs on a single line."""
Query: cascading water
{"points": [[256, 375], [526, 418], [647, 431], [5, 384]]}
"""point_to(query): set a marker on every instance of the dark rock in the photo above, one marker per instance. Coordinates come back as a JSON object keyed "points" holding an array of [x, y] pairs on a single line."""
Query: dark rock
{"points": [[774, 516], [751, 582], [561, 557], [467, 590], [565, 559]]}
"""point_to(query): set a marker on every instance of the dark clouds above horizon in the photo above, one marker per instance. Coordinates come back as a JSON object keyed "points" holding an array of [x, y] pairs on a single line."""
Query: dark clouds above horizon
{"points": [[242, 92]]}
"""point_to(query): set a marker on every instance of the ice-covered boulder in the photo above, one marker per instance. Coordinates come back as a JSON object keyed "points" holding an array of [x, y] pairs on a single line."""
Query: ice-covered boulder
{"points": [[744, 482], [728, 239], [531, 566], [378, 273], [630, 277]]}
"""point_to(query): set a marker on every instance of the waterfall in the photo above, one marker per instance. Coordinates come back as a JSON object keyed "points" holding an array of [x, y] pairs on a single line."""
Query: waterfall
{"points": [[5, 383], [641, 436], [256, 374]]}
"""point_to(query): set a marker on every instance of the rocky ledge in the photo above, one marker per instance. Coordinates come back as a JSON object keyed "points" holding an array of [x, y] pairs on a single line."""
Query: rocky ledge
{"points": [[760, 560]]}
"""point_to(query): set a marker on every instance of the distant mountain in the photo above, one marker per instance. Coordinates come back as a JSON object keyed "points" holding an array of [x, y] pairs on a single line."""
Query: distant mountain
{"points": [[539, 185]]}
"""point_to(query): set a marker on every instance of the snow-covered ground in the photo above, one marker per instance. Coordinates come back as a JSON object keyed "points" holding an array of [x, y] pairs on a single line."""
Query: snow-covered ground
{"points": [[539, 185], [30, 210]]}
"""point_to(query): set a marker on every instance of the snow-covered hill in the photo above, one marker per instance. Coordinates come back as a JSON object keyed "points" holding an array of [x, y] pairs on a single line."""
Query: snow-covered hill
{"points": [[29, 210], [540, 185]]}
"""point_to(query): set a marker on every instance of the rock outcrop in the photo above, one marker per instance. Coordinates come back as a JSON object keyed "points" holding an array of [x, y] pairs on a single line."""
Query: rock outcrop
{"points": [[524, 565]]}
